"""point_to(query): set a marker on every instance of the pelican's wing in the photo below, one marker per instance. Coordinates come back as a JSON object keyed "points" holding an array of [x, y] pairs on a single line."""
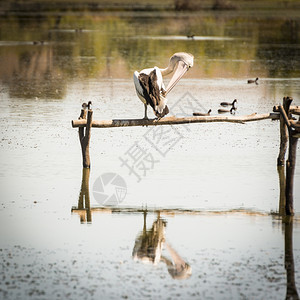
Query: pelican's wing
{"points": [[138, 86], [150, 88]]}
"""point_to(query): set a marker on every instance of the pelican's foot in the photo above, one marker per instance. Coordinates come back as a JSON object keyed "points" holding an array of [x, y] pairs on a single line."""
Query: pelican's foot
{"points": [[145, 119]]}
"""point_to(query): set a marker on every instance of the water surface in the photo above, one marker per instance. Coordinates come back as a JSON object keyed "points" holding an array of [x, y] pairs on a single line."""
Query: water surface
{"points": [[51, 64]]}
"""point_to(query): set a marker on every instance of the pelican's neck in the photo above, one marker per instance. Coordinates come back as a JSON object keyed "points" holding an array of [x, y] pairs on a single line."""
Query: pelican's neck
{"points": [[169, 69]]}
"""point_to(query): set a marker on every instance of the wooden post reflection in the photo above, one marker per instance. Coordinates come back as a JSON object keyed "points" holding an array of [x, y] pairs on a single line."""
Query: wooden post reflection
{"points": [[291, 290], [84, 208]]}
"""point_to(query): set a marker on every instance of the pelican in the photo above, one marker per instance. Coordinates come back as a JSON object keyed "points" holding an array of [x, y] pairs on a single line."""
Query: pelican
{"points": [[150, 87]]}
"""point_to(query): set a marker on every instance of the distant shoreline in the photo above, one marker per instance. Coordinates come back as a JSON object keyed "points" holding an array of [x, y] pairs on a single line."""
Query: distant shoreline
{"points": [[59, 6]]}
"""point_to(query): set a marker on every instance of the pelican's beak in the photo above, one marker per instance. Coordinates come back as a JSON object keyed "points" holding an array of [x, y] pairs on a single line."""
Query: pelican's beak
{"points": [[182, 68]]}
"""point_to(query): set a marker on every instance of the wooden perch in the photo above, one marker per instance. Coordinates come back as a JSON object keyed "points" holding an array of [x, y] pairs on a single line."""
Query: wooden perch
{"points": [[84, 137], [284, 136], [174, 120], [293, 127], [289, 123], [289, 133], [285, 117], [293, 109]]}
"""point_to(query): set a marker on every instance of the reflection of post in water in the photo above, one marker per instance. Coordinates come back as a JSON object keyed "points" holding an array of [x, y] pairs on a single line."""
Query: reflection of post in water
{"points": [[291, 290], [149, 246], [280, 170], [84, 208]]}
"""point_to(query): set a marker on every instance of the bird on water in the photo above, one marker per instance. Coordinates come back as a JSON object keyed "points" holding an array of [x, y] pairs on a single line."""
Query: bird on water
{"points": [[229, 103], [253, 81], [87, 106], [222, 110], [202, 114], [150, 87]]}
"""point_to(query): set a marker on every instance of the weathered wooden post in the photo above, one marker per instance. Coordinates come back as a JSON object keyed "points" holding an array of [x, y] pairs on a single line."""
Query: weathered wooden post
{"points": [[85, 135], [291, 162], [290, 171], [283, 136]]}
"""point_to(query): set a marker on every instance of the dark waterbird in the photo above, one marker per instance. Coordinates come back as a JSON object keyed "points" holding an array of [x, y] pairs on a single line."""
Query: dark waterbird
{"points": [[87, 106], [202, 114], [253, 81], [38, 42], [228, 103], [191, 36], [223, 111]]}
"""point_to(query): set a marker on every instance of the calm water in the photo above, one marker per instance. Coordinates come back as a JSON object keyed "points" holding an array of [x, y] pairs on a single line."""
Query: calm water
{"points": [[52, 243]]}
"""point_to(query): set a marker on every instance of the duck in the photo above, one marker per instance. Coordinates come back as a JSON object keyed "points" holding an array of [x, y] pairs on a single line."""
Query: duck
{"points": [[202, 114], [191, 36], [222, 110], [253, 81], [228, 103], [38, 42], [87, 106]]}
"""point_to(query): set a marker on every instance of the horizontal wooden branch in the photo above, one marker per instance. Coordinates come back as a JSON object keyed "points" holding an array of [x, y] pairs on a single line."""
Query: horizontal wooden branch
{"points": [[295, 125], [293, 109], [164, 211], [173, 120]]}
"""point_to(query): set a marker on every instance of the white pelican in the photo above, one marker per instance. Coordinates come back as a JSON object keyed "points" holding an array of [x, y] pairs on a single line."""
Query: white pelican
{"points": [[150, 87]]}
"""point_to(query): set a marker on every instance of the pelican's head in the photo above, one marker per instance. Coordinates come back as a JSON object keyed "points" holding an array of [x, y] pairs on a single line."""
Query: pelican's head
{"points": [[187, 58], [181, 62]]}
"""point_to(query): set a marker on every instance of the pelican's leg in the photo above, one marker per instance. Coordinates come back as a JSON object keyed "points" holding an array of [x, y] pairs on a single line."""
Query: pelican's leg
{"points": [[145, 117]]}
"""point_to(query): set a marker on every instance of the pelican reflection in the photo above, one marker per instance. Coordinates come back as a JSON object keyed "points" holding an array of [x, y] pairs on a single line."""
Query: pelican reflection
{"points": [[149, 246]]}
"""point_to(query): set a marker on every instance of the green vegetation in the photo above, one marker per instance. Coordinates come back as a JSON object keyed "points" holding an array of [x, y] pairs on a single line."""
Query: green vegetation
{"points": [[41, 53], [30, 6]]}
